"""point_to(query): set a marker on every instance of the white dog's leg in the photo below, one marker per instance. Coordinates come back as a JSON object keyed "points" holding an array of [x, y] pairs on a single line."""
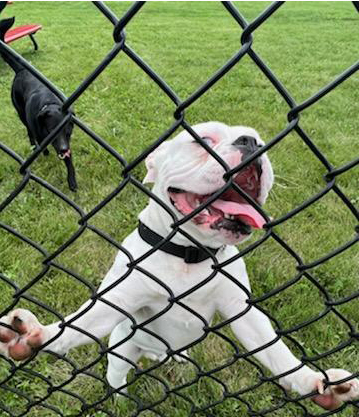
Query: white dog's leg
{"points": [[254, 330], [181, 359], [155, 357], [118, 368], [93, 320], [97, 321], [163, 356]]}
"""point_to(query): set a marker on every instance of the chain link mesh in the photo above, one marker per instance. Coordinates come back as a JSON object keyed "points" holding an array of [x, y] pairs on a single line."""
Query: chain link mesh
{"points": [[171, 387]]}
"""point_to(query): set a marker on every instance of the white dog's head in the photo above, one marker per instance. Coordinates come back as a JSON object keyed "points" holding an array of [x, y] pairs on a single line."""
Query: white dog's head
{"points": [[185, 175]]}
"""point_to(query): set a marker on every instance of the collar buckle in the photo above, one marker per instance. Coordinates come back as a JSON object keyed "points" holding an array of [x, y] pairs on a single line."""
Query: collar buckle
{"points": [[192, 255]]}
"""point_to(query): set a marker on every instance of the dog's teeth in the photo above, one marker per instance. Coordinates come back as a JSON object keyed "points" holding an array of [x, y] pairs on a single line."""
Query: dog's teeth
{"points": [[206, 212], [228, 216]]}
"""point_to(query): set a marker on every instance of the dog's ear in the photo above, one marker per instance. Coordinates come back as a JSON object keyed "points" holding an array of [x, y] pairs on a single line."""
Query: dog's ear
{"points": [[153, 162], [43, 113]]}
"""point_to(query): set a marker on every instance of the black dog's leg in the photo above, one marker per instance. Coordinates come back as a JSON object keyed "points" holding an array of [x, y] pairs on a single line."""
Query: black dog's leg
{"points": [[46, 152], [32, 139], [71, 176], [20, 107]]}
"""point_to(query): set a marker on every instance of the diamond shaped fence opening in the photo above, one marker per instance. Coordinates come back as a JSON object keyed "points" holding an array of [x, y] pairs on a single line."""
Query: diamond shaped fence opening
{"points": [[207, 384]]}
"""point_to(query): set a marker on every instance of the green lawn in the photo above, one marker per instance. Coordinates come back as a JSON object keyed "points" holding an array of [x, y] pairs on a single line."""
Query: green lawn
{"points": [[306, 44]]}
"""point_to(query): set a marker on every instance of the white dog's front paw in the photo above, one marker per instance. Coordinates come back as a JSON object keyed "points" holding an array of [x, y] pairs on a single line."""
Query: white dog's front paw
{"points": [[332, 396], [20, 334], [181, 358]]}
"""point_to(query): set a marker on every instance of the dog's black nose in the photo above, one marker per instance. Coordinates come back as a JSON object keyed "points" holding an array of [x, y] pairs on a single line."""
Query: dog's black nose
{"points": [[247, 143]]}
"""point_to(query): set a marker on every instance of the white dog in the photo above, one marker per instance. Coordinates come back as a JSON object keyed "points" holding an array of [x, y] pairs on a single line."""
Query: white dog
{"points": [[158, 306]]}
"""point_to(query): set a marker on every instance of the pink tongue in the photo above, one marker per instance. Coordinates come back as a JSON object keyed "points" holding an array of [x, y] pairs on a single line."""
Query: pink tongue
{"points": [[249, 213]]}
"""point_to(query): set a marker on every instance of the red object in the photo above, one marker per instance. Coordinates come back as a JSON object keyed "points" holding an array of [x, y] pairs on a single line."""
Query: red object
{"points": [[17, 33]]}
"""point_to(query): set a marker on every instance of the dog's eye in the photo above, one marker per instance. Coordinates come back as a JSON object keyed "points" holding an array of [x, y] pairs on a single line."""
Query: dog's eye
{"points": [[206, 139]]}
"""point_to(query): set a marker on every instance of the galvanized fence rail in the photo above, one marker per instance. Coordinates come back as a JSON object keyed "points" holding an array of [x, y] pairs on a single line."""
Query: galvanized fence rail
{"points": [[179, 121]]}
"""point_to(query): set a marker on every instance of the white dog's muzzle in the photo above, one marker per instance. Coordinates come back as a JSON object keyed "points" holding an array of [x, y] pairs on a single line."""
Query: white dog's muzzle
{"points": [[186, 176]]}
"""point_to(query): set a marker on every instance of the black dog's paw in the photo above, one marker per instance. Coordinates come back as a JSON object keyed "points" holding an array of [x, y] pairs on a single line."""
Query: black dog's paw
{"points": [[73, 185]]}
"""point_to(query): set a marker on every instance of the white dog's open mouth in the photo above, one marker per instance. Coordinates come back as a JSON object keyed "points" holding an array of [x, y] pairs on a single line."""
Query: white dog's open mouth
{"points": [[231, 211]]}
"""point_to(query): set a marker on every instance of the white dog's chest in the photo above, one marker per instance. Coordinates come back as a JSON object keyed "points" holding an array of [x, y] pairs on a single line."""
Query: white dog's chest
{"points": [[176, 309], [175, 325], [179, 325]]}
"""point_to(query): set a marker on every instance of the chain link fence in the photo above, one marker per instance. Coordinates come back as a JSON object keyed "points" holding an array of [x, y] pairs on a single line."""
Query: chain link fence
{"points": [[28, 400]]}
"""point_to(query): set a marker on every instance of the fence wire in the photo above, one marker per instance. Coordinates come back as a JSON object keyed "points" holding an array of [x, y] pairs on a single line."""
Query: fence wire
{"points": [[16, 370]]}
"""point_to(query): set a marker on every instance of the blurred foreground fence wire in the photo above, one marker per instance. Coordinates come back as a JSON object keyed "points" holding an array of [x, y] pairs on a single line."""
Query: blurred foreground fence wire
{"points": [[179, 105]]}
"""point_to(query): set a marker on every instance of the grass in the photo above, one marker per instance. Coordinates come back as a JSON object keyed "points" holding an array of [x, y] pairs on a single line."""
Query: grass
{"points": [[306, 44]]}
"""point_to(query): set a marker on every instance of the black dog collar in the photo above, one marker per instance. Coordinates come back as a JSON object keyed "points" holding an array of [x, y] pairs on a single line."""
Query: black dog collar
{"points": [[190, 254]]}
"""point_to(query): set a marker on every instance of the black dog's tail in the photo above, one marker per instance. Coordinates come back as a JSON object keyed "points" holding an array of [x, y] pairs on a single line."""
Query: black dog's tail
{"points": [[5, 25]]}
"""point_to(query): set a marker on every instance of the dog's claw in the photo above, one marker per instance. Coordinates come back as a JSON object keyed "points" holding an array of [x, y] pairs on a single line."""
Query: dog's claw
{"points": [[18, 325]]}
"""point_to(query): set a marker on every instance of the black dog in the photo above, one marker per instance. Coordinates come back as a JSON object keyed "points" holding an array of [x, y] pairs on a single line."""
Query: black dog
{"points": [[39, 109]]}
